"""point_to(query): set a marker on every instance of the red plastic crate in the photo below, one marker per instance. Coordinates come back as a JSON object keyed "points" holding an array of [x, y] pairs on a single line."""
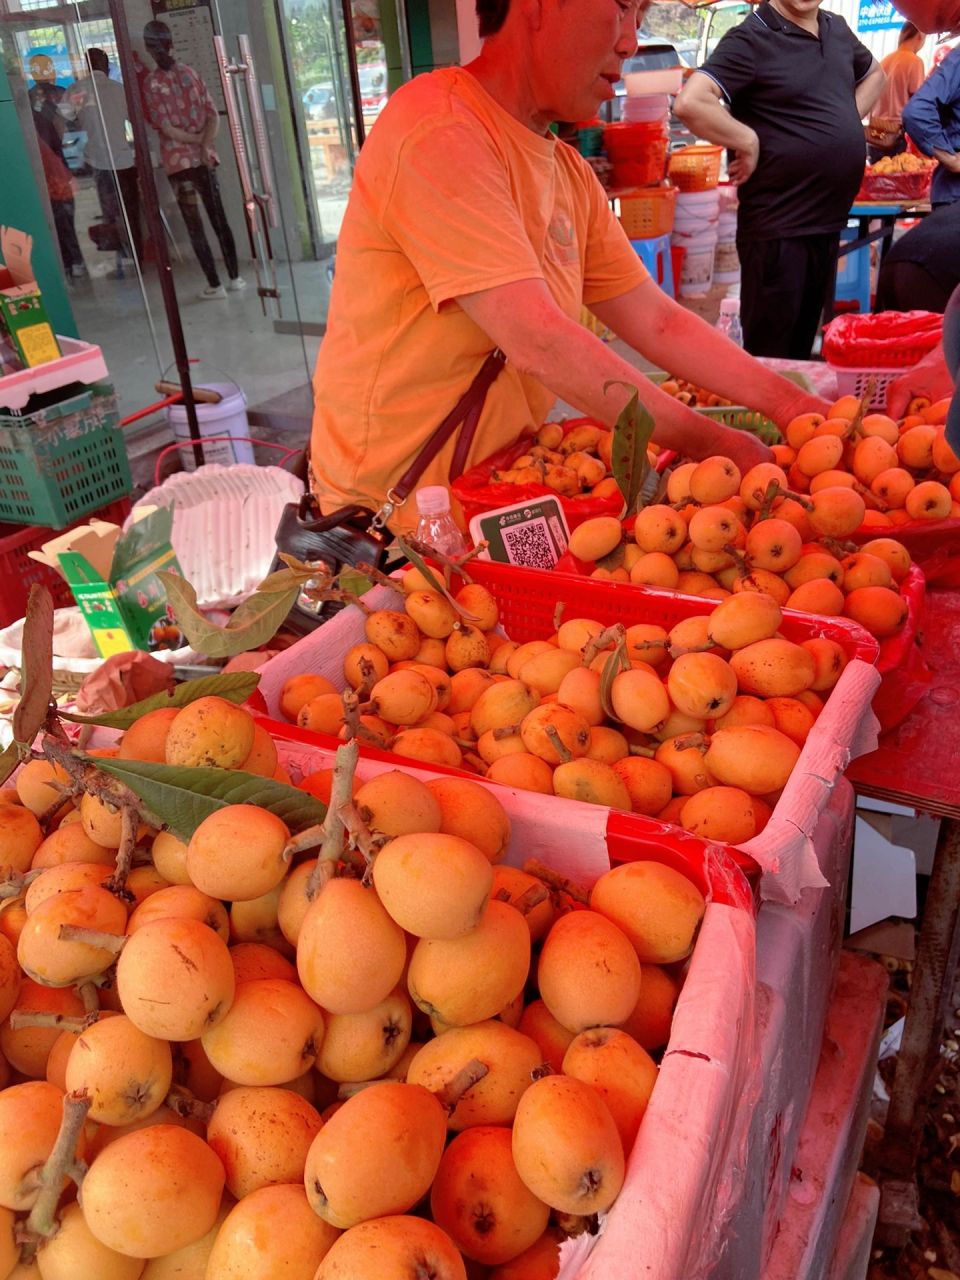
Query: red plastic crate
{"points": [[18, 572], [899, 661], [528, 598]]}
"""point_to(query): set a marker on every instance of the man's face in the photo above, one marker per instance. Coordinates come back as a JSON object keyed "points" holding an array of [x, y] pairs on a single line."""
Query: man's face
{"points": [[579, 48]]}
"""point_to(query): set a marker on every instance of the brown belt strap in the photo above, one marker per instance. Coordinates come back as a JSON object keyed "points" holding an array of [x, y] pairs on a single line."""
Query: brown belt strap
{"points": [[467, 411]]}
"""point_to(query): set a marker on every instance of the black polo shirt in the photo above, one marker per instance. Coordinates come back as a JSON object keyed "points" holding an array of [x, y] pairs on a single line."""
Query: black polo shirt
{"points": [[797, 91]]}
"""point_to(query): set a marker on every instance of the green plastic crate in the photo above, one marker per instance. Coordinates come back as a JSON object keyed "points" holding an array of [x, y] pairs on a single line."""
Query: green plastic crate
{"points": [[739, 416], [64, 461]]}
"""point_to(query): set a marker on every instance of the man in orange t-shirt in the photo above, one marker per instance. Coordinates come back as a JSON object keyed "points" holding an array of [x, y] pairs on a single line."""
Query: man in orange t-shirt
{"points": [[905, 74], [471, 227]]}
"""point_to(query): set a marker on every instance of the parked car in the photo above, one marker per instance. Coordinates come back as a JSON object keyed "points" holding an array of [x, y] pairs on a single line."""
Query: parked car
{"points": [[319, 102], [373, 87]]}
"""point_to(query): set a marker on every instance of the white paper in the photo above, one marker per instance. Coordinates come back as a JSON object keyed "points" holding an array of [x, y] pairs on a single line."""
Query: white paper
{"points": [[884, 876]]}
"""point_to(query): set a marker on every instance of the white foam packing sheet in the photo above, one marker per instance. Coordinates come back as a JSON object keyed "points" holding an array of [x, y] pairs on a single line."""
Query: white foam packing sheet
{"points": [[224, 525], [685, 1171], [845, 729]]}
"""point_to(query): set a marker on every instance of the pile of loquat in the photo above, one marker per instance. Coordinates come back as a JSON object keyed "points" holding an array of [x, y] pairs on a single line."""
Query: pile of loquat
{"points": [[720, 534], [574, 461], [393, 1056], [700, 725]]}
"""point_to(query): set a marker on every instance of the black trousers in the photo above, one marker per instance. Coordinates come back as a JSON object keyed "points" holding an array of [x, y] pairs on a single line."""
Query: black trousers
{"points": [[907, 286], [783, 286], [190, 187], [114, 186], [63, 214]]}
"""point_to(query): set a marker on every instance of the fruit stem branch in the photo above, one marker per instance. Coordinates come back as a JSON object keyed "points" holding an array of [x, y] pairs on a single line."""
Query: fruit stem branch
{"points": [[341, 793], [505, 731], [468, 1075], [611, 636], [351, 709], [558, 614], [15, 882], [128, 842], [182, 1102], [561, 748], [112, 942], [61, 1165], [361, 837], [20, 1019], [531, 898], [88, 993], [554, 880]]}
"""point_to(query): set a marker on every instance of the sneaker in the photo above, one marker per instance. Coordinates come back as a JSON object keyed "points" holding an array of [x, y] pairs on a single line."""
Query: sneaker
{"points": [[237, 284], [212, 291], [79, 271]]}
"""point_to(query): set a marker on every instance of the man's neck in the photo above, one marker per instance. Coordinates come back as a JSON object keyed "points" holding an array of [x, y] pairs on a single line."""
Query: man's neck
{"points": [[808, 22]]}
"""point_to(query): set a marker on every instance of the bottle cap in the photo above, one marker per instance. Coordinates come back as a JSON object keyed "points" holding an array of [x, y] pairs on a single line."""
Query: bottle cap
{"points": [[433, 500], [729, 306]]}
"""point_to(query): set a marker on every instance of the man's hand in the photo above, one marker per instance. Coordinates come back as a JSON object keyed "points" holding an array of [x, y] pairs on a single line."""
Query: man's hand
{"points": [[745, 160], [950, 160], [743, 448], [929, 378]]}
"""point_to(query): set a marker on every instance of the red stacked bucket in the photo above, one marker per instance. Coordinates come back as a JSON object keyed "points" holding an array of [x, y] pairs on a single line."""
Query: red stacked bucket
{"points": [[637, 151]]}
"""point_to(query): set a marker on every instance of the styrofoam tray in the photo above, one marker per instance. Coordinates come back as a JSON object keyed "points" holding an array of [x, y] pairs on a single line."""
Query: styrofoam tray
{"points": [[80, 362], [685, 1171], [224, 525]]}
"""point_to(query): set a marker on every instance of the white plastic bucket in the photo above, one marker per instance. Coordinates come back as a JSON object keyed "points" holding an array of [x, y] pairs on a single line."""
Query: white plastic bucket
{"points": [[726, 265], [665, 80], [696, 274], [647, 108], [227, 418]]}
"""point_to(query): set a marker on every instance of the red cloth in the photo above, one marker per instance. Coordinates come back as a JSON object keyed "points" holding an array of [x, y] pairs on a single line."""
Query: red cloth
{"points": [[55, 174]]}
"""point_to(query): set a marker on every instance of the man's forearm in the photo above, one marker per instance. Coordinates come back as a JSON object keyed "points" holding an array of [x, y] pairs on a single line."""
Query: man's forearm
{"points": [[711, 120], [868, 91], [675, 339], [577, 369]]}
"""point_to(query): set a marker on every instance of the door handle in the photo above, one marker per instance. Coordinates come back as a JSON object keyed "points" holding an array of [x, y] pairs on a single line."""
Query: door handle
{"points": [[264, 159], [259, 206]]}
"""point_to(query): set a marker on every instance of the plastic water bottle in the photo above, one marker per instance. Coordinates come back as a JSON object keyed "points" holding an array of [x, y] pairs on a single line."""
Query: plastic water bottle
{"points": [[729, 322], [437, 527]]}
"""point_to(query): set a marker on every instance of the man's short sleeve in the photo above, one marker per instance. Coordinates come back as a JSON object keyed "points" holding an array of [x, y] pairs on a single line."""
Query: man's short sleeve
{"points": [[863, 59], [450, 210], [733, 64]]}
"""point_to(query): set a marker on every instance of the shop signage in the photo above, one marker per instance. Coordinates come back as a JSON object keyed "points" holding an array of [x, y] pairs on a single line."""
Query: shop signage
{"points": [[877, 15]]}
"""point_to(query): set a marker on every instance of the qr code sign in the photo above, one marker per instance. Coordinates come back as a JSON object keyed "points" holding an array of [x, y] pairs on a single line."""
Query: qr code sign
{"points": [[530, 545]]}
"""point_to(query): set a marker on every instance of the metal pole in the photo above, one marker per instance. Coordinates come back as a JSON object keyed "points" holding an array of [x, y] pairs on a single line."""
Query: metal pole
{"points": [[151, 207]]}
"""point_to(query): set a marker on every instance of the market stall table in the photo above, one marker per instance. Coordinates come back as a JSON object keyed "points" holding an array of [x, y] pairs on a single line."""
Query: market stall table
{"points": [[916, 765]]}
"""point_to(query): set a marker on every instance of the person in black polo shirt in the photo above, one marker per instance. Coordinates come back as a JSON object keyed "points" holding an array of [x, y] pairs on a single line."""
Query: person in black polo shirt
{"points": [[786, 92]]}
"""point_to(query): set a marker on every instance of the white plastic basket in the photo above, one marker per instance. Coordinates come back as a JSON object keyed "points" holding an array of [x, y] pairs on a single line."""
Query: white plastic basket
{"points": [[853, 382]]}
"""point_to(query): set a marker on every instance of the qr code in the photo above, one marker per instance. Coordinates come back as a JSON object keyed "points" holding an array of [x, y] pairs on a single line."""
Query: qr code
{"points": [[530, 545]]}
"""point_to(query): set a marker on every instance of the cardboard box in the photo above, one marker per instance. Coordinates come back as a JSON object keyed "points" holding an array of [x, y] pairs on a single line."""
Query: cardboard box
{"points": [[113, 577], [22, 313]]}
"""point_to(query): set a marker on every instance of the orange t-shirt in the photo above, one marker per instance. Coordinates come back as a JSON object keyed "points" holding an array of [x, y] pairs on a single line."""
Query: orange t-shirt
{"points": [[905, 74], [451, 195]]}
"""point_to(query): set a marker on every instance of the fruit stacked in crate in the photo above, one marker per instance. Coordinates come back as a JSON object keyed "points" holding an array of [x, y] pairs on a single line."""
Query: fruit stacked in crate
{"points": [[700, 723], [235, 1034]]}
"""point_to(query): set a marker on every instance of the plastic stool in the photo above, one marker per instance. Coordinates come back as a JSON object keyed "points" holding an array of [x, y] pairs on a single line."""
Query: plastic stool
{"points": [[655, 255], [853, 273]]}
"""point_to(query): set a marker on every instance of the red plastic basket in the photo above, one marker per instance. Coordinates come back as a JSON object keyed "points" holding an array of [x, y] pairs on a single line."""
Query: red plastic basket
{"points": [[477, 493], [18, 572], [934, 545], [888, 340], [895, 186], [904, 673]]}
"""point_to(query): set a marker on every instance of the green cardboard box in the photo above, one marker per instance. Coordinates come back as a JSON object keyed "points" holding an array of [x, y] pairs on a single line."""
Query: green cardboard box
{"points": [[113, 577], [22, 313]]}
